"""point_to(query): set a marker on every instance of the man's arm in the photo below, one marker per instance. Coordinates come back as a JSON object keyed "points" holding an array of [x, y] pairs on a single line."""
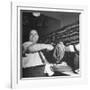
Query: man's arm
{"points": [[38, 47]]}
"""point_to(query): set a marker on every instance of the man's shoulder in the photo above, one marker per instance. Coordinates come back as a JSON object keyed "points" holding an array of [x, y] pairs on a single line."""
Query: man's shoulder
{"points": [[27, 43]]}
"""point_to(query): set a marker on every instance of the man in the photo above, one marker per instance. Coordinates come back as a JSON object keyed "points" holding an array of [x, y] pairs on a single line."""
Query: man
{"points": [[33, 62]]}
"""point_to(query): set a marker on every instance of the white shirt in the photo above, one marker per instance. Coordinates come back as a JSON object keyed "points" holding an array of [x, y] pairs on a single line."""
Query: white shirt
{"points": [[31, 59]]}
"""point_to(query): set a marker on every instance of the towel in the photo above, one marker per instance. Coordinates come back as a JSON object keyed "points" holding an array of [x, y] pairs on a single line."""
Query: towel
{"points": [[48, 69]]}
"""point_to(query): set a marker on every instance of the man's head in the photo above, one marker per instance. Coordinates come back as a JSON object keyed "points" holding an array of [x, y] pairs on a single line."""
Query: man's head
{"points": [[33, 36]]}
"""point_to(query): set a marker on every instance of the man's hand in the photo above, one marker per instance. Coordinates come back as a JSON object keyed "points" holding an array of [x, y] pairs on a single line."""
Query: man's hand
{"points": [[49, 47]]}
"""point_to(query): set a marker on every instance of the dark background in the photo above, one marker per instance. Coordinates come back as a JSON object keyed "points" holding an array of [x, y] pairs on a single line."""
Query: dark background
{"points": [[46, 23]]}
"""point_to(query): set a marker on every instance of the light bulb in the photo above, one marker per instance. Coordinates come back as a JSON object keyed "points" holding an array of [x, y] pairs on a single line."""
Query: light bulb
{"points": [[36, 14]]}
